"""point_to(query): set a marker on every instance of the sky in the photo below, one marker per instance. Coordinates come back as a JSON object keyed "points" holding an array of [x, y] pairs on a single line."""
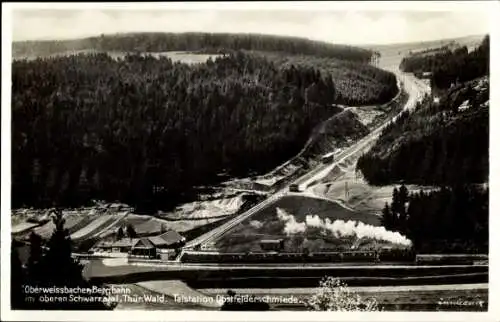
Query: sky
{"points": [[343, 27]]}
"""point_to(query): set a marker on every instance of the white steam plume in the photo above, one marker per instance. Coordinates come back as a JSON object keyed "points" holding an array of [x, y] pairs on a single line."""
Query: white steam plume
{"points": [[340, 228], [256, 224], [291, 225]]}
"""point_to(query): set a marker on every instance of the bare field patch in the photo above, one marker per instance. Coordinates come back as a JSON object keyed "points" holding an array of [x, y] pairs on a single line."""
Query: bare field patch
{"points": [[74, 220], [361, 196], [186, 57], [101, 223], [367, 114], [343, 184], [151, 225], [217, 208], [22, 227]]}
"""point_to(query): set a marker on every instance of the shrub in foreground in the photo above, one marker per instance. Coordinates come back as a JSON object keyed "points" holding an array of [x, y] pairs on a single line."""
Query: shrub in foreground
{"points": [[333, 295]]}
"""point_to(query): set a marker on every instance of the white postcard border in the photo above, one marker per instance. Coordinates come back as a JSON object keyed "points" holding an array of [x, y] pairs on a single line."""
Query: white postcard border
{"points": [[494, 281]]}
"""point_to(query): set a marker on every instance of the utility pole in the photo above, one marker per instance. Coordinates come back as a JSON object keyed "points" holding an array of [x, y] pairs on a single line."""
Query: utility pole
{"points": [[346, 191]]}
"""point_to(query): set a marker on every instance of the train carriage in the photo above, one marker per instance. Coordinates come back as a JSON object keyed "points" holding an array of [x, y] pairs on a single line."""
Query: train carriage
{"points": [[326, 257], [384, 255], [360, 256]]}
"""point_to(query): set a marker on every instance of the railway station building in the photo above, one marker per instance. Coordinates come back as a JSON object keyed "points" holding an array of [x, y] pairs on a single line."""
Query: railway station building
{"points": [[152, 246]]}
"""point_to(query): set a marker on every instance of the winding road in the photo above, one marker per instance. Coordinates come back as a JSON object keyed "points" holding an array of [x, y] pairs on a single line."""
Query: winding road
{"points": [[415, 88]]}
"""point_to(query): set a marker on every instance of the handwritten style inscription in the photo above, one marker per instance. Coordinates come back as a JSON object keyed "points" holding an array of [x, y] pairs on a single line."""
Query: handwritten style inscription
{"points": [[459, 302]]}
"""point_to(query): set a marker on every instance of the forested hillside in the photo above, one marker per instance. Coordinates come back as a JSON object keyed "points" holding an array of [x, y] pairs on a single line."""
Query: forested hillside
{"points": [[450, 220], [444, 142], [144, 129], [440, 143], [450, 66], [212, 42], [356, 84]]}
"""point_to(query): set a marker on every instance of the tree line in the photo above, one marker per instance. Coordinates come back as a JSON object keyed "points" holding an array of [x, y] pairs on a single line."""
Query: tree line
{"points": [[437, 144], [193, 41], [146, 129], [451, 66], [356, 84], [449, 219]]}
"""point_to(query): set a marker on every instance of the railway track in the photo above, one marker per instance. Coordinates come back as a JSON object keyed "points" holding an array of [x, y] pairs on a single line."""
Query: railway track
{"points": [[415, 91]]}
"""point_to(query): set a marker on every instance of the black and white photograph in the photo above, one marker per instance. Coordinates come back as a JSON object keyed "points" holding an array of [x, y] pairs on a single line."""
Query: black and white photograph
{"points": [[208, 157]]}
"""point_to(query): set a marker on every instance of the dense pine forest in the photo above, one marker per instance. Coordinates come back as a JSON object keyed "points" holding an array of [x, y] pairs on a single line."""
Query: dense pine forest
{"points": [[356, 84], [449, 220], [145, 130], [441, 142], [450, 66], [437, 144], [444, 142], [192, 41]]}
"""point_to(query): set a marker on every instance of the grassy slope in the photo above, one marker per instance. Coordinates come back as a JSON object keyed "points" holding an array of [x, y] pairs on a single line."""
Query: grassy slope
{"points": [[300, 207], [266, 225]]}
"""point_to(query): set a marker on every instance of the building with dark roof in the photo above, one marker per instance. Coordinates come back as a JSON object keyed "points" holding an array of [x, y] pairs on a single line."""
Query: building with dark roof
{"points": [[169, 239], [144, 246], [124, 244]]}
